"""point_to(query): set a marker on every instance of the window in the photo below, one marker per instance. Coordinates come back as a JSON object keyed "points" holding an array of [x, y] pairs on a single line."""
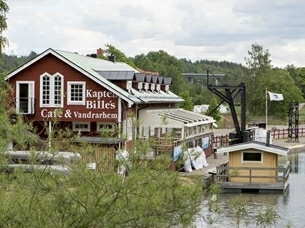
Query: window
{"points": [[252, 157], [51, 90], [105, 127], [76, 93], [25, 97], [81, 126]]}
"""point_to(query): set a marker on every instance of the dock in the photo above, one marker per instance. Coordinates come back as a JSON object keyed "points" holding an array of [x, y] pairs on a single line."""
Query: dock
{"points": [[211, 173]]}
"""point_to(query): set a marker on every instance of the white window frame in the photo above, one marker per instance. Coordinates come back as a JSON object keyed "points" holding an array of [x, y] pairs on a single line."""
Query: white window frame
{"points": [[69, 101], [247, 161], [52, 90], [31, 98], [76, 128]]}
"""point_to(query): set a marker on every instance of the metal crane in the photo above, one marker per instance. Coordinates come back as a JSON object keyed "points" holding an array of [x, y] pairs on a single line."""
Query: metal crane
{"points": [[229, 94]]}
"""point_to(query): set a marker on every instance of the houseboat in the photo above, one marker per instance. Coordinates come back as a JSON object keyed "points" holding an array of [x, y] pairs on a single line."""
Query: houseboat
{"points": [[254, 166], [104, 102]]}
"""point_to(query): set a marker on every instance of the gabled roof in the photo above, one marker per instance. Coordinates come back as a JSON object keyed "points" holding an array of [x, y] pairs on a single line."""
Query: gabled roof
{"points": [[89, 67], [275, 149]]}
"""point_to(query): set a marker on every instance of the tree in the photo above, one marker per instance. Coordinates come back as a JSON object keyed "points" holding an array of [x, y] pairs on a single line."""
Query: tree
{"points": [[11, 62], [3, 25], [298, 75], [188, 104], [257, 64], [117, 54], [259, 58], [166, 65], [150, 196], [212, 111], [278, 81]]}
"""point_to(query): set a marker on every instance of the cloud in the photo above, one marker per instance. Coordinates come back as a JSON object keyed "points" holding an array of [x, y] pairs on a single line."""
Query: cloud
{"points": [[198, 29]]}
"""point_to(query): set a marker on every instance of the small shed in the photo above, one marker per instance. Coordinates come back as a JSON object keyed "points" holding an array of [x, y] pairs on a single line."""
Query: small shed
{"points": [[254, 166]]}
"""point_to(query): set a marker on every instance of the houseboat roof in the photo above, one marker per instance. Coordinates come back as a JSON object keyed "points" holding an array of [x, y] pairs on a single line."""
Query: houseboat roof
{"points": [[275, 149]]}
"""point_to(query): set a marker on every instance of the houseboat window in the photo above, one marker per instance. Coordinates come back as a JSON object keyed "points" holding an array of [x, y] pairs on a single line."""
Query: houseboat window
{"points": [[51, 90], [81, 126], [25, 97], [252, 157]]}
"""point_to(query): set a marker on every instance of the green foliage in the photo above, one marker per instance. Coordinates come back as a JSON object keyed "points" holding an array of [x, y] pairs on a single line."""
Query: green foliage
{"points": [[213, 111], [11, 62], [214, 209], [188, 104], [240, 210], [259, 59], [278, 81], [201, 66], [267, 218], [166, 65], [298, 75], [146, 198], [119, 55]]}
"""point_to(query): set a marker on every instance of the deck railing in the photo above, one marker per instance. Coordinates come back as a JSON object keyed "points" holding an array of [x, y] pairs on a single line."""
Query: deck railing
{"points": [[223, 140], [249, 174]]}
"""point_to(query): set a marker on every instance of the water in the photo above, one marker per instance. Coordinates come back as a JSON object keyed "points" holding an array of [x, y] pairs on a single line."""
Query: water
{"points": [[290, 207]]}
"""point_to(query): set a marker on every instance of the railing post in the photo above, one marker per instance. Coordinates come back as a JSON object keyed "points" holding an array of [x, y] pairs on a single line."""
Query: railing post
{"points": [[250, 175]]}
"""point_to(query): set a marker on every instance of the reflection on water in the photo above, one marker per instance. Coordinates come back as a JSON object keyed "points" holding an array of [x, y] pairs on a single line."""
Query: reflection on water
{"points": [[294, 161], [290, 207]]}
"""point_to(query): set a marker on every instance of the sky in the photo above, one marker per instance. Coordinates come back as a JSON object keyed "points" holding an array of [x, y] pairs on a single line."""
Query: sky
{"points": [[220, 30]]}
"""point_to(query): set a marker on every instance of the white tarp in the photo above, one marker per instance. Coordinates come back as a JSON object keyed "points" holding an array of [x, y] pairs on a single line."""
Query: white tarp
{"points": [[204, 108], [194, 158]]}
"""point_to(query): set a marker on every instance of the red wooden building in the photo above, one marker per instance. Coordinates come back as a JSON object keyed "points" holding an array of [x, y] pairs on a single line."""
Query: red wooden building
{"points": [[101, 100]]}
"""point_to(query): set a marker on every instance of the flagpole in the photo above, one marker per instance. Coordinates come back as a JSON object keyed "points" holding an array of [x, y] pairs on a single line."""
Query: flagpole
{"points": [[266, 111]]}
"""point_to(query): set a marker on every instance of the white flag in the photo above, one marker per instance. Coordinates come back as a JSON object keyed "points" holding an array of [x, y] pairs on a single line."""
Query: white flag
{"points": [[275, 96]]}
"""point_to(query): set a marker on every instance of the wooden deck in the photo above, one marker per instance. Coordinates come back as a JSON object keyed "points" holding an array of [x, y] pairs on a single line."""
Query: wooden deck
{"points": [[249, 183], [231, 187]]}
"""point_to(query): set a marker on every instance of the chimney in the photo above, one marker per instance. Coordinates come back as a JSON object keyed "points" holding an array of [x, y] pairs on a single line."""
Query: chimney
{"points": [[111, 58], [99, 53]]}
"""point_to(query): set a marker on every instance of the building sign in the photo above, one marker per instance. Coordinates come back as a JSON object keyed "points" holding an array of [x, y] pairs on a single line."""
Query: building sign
{"points": [[68, 113], [98, 102], [98, 105]]}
